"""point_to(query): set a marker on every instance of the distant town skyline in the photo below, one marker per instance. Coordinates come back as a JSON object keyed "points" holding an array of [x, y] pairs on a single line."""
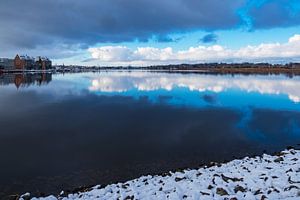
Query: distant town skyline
{"points": [[144, 32]]}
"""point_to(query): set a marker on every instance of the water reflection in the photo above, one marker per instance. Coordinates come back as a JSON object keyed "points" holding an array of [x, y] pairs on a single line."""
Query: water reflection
{"points": [[122, 82], [87, 129], [25, 79]]}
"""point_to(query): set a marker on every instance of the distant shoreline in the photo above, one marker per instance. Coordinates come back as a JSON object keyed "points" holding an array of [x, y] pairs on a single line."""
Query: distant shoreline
{"points": [[246, 68]]}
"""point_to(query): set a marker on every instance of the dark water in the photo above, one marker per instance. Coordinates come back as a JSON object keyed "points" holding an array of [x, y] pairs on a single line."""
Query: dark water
{"points": [[60, 132]]}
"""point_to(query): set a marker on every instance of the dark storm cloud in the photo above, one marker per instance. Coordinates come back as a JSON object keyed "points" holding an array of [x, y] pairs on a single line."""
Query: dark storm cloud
{"points": [[272, 14], [209, 38], [32, 22], [40, 25]]}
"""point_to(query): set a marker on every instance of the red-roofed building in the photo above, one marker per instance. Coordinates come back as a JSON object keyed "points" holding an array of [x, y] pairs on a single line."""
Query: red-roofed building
{"points": [[24, 62]]}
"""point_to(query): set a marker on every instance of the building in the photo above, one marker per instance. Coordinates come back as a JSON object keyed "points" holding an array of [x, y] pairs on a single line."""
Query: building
{"points": [[43, 63], [6, 63], [24, 62]]}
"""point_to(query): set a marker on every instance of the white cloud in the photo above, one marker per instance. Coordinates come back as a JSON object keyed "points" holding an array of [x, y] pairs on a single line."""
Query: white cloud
{"points": [[216, 53], [111, 53]]}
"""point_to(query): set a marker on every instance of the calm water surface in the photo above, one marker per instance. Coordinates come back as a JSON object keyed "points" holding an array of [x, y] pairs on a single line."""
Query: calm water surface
{"points": [[65, 131]]}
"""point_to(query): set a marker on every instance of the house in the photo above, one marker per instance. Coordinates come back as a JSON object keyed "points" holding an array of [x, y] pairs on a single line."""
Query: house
{"points": [[24, 62], [43, 63], [6, 63]]}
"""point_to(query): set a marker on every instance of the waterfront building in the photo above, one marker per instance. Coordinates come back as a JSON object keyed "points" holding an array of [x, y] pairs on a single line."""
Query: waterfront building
{"points": [[43, 63], [24, 62], [6, 63]]}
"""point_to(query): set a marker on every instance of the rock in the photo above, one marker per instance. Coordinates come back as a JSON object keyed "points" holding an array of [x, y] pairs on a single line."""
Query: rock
{"points": [[180, 170], [239, 188], [213, 181], [291, 187], [204, 193], [292, 182], [129, 198], [257, 192], [275, 190], [210, 187], [166, 174], [263, 197], [25, 196], [125, 186], [221, 192], [292, 151], [280, 154], [268, 167], [199, 174], [179, 179], [279, 159], [211, 164], [226, 179], [290, 170], [269, 191]]}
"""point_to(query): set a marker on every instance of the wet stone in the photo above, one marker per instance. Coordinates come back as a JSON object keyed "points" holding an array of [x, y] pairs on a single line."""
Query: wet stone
{"points": [[221, 192], [279, 159], [239, 188]]}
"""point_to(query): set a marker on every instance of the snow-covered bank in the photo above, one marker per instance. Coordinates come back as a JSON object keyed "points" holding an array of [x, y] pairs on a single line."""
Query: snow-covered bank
{"points": [[266, 177]]}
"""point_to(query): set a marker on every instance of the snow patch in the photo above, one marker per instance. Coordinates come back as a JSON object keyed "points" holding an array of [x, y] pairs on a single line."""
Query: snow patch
{"points": [[265, 177]]}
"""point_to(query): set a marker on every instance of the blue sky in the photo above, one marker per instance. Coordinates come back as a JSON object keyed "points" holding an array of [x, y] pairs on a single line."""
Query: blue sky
{"points": [[144, 32]]}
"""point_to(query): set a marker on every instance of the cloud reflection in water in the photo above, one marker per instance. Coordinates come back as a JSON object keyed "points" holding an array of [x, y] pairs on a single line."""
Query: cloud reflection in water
{"points": [[122, 82]]}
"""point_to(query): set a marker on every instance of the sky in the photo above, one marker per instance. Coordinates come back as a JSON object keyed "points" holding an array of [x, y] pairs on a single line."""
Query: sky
{"points": [[151, 32]]}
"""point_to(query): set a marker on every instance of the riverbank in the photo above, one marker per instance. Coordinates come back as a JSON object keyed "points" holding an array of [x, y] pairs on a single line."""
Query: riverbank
{"points": [[265, 177], [259, 70], [263, 69]]}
